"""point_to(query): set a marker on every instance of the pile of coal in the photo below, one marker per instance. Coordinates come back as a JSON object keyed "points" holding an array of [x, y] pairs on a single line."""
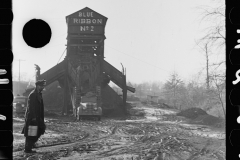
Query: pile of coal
{"points": [[192, 113]]}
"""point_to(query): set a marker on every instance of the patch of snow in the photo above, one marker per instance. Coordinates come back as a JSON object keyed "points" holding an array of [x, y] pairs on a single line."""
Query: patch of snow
{"points": [[18, 138], [19, 119], [151, 118], [217, 135]]}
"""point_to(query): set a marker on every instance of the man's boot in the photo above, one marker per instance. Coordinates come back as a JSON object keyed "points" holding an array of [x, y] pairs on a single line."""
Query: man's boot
{"points": [[28, 147], [34, 145]]}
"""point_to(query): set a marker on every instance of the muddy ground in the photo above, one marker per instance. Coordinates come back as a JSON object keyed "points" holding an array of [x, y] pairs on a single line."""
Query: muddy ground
{"points": [[159, 133]]}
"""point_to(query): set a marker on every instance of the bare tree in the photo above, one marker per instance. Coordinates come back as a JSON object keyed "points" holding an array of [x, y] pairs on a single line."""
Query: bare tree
{"points": [[205, 48], [215, 33], [218, 81], [212, 43]]}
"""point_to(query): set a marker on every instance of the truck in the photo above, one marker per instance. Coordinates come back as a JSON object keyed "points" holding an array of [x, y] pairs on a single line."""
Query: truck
{"points": [[20, 104], [89, 106]]}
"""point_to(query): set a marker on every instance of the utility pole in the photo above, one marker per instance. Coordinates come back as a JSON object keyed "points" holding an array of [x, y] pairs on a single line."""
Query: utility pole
{"points": [[207, 61], [19, 76]]}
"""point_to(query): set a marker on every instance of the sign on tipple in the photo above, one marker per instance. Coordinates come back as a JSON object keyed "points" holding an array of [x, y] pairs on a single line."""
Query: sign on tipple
{"points": [[86, 21], [86, 29]]}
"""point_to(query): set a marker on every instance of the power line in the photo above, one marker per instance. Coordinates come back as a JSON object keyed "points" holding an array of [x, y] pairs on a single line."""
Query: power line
{"points": [[19, 73], [138, 59], [61, 55], [53, 45], [30, 49], [59, 36]]}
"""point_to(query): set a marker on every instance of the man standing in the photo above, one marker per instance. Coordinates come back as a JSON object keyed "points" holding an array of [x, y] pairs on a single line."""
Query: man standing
{"points": [[34, 115]]}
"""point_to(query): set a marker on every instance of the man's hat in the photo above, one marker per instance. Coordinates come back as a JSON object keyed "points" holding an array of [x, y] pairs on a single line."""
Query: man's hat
{"points": [[41, 82]]}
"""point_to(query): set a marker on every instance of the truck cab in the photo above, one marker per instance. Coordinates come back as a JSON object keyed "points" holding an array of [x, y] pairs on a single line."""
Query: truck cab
{"points": [[20, 104], [89, 107]]}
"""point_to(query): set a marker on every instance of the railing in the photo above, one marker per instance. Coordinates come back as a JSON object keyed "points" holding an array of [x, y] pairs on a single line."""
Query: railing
{"points": [[115, 75]]}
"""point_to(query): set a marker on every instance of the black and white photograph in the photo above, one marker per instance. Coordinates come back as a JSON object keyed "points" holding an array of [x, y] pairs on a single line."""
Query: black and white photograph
{"points": [[119, 80]]}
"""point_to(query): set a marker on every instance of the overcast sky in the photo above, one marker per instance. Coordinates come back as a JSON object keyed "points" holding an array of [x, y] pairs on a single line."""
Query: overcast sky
{"points": [[151, 38]]}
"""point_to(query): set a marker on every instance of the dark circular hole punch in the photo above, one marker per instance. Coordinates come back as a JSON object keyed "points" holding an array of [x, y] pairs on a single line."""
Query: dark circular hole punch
{"points": [[234, 15], [6, 97], [6, 138], [233, 97], [234, 56], [234, 138], [8, 16], [37, 33], [6, 57]]}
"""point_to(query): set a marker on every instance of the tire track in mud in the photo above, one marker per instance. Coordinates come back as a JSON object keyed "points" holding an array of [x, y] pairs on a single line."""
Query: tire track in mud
{"points": [[144, 138], [87, 138], [114, 132], [135, 139], [139, 145], [113, 144], [171, 139], [168, 143], [77, 146], [123, 141], [89, 134]]}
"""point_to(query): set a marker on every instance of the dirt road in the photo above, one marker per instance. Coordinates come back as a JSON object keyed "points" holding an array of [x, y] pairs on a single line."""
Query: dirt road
{"points": [[159, 133]]}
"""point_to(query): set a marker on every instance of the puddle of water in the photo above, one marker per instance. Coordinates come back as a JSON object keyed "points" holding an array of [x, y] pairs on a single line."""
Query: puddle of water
{"points": [[142, 120], [217, 135], [18, 135], [153, 110], [151, 118], [52, 135], [18, 138], [195, 129], [17, 124], [170, 122], [203, 131]]}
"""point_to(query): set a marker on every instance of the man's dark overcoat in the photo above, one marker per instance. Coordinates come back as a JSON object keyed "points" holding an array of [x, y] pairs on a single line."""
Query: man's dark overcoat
{"points": [[35, 109]]}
